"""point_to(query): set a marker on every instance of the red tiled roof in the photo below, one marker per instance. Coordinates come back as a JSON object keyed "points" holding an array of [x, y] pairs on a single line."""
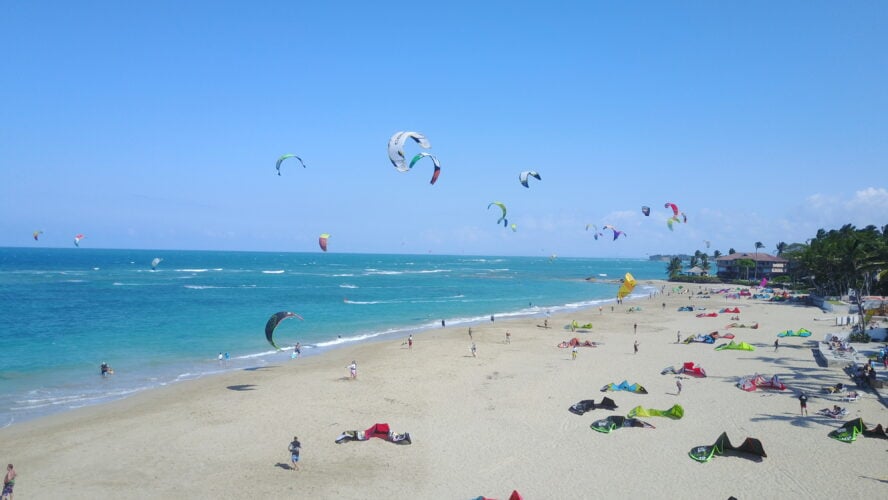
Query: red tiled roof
{"points": [[760, 257]]}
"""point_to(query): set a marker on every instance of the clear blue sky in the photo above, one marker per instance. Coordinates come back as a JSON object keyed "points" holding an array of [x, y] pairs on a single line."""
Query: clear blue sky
{"points": [[157, 124]]}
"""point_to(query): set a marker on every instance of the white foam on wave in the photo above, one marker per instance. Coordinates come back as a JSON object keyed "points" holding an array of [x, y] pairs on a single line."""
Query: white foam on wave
{"points": [[346, 285], [276, 271]]}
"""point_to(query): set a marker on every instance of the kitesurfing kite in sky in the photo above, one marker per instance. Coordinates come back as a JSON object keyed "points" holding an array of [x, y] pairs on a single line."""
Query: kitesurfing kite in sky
{"points": [[522, 177], [284, 157], [322, 241], [503, 208], [437, 164], [595, 232], [77, 240], [627, 286], [37, 234], [617, 232], [646, 211], [155, 262], [273, 322]]}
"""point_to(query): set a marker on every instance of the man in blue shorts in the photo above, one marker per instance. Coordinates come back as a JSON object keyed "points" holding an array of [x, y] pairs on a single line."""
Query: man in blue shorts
{"points": [[295, 447]]}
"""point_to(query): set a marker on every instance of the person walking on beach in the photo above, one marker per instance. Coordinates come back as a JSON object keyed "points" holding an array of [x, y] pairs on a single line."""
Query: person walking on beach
{"points": [[635, 346], [410, 341], [353, 370], [678, 337], [635, 328], [776, 344], [443, 324], [508, 337], [803, 403], [573, 353], [294, 448], [473, 349], [491, 318], [297, 349], [678, 386], [8, 482], [470, 333]]}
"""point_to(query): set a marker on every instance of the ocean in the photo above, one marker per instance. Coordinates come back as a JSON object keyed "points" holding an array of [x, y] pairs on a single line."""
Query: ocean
{"points": [[65, 311]]}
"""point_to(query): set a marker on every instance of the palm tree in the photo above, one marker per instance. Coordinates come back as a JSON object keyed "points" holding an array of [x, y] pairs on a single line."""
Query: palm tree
{"points": [[704, 264], [781, 247], [716, 254], [758, 244], [673, 269], [746, 263], [731, 251]]}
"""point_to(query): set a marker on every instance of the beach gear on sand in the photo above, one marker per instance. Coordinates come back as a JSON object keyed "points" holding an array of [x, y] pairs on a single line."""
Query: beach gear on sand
{"points": [[738, 346], [750, 383], [587, 405], [675, 413], [689, 368], [624, 386], [514, 496], [606, 425], [801, 332], [852, 428], [750, 448], [381, 431]]}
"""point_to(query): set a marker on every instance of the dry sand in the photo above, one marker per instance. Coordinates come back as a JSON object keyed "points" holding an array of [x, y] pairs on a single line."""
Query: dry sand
{"points": [[480, 426]]}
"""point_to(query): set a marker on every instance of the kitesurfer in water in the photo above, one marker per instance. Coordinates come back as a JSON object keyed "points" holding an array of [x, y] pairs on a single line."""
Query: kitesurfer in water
{"points": [[106, 369]]}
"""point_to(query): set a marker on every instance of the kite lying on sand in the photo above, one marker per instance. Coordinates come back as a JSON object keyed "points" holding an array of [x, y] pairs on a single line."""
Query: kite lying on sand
{"points": [[738, 346], [606, 425], [689, 368], [852, 428], [588, 405], [624, 386], [381, 431], [750, 383], [801, 332], [675, 413], [750, 447]]}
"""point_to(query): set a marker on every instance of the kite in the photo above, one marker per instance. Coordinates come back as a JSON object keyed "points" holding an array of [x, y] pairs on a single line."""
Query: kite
{"points": [[611, 423], [587, 405], [273, 323], [155, 262], [77, 240], [595, 232], [675, 214], [616, 231], [284, 157], [852, 428], [674, 209], [671, 221], [801, 332], [514, 227], [750, 446], [322, 241], [624, 386], [381, 431], [742, 346], [36, 234], [707, 243], [396, 148], [434, 160], [750, 383], [627, 286], [646, 211], [528, 173], [689, 368], [675, 413], [503, 208]]}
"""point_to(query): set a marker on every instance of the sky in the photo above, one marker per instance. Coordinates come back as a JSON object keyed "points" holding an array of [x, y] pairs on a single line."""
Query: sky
{"points": [[157, 125]]}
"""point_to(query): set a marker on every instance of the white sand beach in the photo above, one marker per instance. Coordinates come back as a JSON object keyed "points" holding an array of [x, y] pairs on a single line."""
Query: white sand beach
{"points": [[480, 425]]}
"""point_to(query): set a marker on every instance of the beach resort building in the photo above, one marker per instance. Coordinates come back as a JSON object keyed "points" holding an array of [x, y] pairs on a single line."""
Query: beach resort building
{"points": [[766, 265]]}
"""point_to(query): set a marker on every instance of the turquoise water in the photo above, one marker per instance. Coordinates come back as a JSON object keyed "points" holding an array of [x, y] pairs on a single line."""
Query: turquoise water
{"points": [[65, 311]]}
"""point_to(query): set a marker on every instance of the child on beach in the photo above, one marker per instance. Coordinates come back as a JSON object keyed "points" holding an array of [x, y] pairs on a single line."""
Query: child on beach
{"points": [[353, 370], [573, 353], [508, 337], [8, 482], [678, 385], [410, 342], [473, 349]]}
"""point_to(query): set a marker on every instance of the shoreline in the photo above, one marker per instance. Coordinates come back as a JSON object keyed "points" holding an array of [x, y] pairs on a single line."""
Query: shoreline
{"points": [[480, 426]]}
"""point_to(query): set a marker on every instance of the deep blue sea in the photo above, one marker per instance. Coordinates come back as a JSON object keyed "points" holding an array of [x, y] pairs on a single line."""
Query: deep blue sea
{"points": [[65, 311]]}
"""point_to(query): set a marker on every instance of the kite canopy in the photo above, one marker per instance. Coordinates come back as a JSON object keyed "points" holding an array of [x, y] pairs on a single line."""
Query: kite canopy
{"points": [[675, 413], [396, 148], [588, 405], [522, 177], [738, 346], [595, 231], [606, 425], [280, 160], [434, 160], [273, 322], [155, 262], [77, 240], [617, 233], [853, 428], [624, 386], [627, 286], [381, 431], [503, 208], [36, 234], [750, 447], [646, 211], [322, 241]]}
